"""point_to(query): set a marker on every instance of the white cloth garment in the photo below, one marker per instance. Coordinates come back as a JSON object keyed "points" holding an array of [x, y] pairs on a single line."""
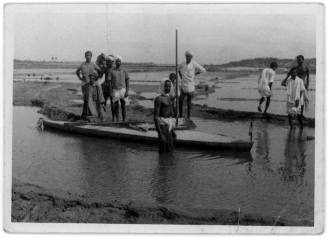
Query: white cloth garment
{"points": [[293, 91], [118, 94], [170, 122], [189, 52], [119, 57], [266, 76], [188, 73]]}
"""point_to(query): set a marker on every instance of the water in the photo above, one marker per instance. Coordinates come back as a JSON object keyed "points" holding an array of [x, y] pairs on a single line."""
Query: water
{"points": [[237, 94], [278, 180]]}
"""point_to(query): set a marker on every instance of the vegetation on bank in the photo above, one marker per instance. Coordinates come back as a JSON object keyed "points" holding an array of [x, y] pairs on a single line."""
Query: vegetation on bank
{"points": [[264, 62]]}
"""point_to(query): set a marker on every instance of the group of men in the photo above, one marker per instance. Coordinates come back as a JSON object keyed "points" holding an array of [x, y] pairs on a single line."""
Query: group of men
{"points": [[115, 86], [296, 83]]}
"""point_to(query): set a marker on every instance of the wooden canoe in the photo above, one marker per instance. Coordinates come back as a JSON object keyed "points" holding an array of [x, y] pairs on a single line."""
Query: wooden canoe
{"points": [[185, 138]]}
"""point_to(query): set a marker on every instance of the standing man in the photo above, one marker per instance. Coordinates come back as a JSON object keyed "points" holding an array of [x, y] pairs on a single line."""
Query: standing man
{"points": [[106, 85], [265, 82], [296, 96], [303, 73], [163, 117], [83, 72], [187, 71], [120, 88]]}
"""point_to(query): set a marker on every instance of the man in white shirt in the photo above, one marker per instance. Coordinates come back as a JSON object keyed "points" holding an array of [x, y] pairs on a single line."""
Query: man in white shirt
{"points": [[187, 71], [265, 83]]}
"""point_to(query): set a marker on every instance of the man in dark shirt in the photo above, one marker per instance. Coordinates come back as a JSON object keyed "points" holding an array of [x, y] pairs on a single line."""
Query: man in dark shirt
{"points": [[106, 85], [163, 117], [83, 72], [302, 72]]}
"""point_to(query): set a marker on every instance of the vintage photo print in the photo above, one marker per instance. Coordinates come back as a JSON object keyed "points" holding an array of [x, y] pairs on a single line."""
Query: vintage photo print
{"points": [[164, 118]]}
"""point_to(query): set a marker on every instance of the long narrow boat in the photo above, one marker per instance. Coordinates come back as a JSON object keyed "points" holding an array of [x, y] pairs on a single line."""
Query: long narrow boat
{"points": [[185, 138]]}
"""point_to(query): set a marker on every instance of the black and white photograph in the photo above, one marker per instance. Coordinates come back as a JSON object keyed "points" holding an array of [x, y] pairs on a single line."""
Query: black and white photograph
{"points": [[167, 118]]}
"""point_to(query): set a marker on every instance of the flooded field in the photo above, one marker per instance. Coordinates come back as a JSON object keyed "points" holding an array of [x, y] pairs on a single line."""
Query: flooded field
{"points": [[276, 179], [238, 93]]}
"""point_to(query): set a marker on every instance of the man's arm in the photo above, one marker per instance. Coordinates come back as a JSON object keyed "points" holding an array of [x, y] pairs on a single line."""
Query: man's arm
{"points": [[308, 80], [78, 71], [288, 75], [126, 83], [199, 69], [157, 105]]}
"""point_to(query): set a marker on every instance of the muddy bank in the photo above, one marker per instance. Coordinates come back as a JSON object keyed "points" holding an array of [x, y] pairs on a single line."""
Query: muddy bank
{"points": [[58, 102], [31, 203]]}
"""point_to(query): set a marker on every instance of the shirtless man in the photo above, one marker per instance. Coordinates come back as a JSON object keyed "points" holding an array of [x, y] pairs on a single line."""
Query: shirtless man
{"points": [[163, 117]]}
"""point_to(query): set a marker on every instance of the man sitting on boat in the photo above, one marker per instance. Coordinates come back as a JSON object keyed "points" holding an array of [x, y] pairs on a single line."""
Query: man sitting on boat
{"points": [[106, 85], [83, 73], [187, 71], [120, 87], [163, 117]]}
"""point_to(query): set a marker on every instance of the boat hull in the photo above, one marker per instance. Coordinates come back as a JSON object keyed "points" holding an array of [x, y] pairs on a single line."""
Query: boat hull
{"points": [[185, 138]]}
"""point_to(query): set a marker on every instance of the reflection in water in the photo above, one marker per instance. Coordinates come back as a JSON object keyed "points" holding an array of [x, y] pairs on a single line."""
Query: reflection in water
{"points": [[161, 175], [293, 168], [105, 169], [263, 146]]}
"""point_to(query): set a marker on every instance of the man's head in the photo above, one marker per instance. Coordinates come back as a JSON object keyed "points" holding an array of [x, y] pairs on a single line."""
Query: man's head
{"points": [[293, 73], [110, 60], [92, 79], [188, 55], [167, 86], [101, 58], [88, 56], [118, 61], [172, 77], [300, 59], [273, 66]]}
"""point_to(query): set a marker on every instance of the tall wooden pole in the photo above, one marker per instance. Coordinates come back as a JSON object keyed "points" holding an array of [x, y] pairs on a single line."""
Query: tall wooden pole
{"points": [[176, 84]]}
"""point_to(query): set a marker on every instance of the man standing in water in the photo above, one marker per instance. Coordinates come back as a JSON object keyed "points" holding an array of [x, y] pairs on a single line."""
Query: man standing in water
{"points": [[83, 72], [265, 82], [187, 71], [106, 85], [163, 117], [120, 88], [296, 96], [303, 73]]}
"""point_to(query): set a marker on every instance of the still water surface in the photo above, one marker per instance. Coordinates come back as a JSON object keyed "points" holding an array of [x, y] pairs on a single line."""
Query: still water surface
{"points": [[277, 178]]}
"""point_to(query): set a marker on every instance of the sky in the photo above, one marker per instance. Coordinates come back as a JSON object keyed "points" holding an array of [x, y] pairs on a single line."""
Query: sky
{"points": [[146, 33]]}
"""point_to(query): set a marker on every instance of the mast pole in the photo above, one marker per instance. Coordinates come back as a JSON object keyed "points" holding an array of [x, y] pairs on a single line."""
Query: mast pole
{"points": [[176, 71]]}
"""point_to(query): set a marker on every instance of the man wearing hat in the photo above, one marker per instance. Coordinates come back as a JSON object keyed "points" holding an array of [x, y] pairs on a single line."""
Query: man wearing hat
{"points": [[187, 71], [120, 87]]}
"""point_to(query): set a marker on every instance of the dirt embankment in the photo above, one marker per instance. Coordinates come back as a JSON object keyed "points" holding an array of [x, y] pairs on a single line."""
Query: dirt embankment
{"points": [[31, 203], [58, 102]]}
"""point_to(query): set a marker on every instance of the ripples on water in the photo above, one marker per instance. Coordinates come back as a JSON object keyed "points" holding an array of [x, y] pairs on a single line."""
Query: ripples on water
{"points": [[277, 178]]}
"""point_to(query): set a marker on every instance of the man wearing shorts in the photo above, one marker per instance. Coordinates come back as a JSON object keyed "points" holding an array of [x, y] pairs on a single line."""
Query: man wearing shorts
{"points": [[120, 87]]}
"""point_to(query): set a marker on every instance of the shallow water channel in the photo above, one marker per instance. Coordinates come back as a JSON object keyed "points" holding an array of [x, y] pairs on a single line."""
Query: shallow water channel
{"points": [[276, 179]]}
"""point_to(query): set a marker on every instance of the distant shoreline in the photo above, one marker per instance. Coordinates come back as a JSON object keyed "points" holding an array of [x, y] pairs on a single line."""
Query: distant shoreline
{"points": [[243, 65]]}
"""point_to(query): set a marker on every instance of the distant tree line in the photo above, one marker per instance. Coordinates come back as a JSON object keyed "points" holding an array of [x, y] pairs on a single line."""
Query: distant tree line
{"points": [[263, 62]]}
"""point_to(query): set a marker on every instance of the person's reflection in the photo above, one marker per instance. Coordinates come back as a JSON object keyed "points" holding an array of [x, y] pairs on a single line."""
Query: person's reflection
{"points": [[293, 168], [162, 177], [262, 147]]}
